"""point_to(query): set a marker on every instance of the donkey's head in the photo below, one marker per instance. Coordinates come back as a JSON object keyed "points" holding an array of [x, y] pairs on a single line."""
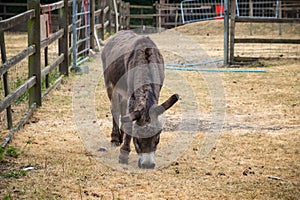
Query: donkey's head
{"points": [[146, 130]]}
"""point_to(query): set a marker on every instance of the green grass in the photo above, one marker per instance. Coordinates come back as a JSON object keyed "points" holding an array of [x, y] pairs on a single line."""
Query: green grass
{"points": [[12, 152], [1, 153], [8, 152], [10, 172], [7, 197], [14, 174]]}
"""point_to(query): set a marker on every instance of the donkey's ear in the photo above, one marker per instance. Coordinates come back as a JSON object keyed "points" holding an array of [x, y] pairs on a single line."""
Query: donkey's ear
{"points": [[170, 102], [158, 110], [131, 117]]}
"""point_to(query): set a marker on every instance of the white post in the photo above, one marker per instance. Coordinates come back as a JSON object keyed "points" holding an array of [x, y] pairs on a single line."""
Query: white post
{"points": [[117, 16]]}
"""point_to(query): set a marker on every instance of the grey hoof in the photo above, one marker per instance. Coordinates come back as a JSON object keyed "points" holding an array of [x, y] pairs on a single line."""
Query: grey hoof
{"points": [[115, 144], [123, 161], [123, 157]]}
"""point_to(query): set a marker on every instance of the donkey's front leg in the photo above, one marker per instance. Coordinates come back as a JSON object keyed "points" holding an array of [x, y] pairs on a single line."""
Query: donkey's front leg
{"points": [[125, 150], [116, 134]]}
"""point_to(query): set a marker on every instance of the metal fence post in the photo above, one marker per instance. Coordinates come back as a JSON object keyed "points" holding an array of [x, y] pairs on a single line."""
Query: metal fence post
{"points": [[34, 61]]}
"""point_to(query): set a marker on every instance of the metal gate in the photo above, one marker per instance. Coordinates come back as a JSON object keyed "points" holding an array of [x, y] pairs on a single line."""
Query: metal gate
{"points": [[257, 9], [81, 32], [199, 10]]}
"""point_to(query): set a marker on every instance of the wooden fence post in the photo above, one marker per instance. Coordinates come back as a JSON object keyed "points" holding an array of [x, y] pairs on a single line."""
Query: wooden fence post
{"points": [[102, 19], [70, 33], [110, 17], [63, 41], [232, 30], [251, 15], [34, 61], [116, 18], [280, 17], [157, 16], [155, 12], [92, 24], [127, 15], [5, 79], [121, 14]]}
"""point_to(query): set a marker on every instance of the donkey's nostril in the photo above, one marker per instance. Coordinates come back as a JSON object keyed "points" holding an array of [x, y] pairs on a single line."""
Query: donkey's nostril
{"points": [[148, 166], [145, 165], [151, 166], [146, 161], [140, 163]]}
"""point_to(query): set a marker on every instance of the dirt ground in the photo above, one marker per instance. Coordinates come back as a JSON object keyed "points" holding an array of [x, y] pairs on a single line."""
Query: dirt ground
{"points": [[231, 135]]}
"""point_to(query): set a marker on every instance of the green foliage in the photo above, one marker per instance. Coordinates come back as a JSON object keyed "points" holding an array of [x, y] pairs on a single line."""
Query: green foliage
{"points": [[52, 77], [24, 96], [7, 197], [12, 152], [14, 174], [10, 172], [1, 153], [91, 59]]}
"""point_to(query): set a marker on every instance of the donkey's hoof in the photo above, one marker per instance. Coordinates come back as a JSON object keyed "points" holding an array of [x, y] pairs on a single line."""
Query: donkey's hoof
{"points": [[123, 161], [115, 143], [123, 156]]}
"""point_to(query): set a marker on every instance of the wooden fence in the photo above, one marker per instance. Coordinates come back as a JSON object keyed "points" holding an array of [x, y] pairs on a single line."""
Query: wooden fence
{"points": [[33, 85], [165, 15], [103, 20], [106, 19], [286, 6]]}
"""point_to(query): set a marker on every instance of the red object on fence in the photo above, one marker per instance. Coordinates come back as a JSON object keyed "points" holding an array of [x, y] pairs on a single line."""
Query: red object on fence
{"points": [[219, 12]]}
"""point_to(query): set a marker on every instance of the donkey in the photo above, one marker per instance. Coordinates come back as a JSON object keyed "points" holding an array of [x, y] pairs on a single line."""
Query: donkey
{"points": [[134, 74]]}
